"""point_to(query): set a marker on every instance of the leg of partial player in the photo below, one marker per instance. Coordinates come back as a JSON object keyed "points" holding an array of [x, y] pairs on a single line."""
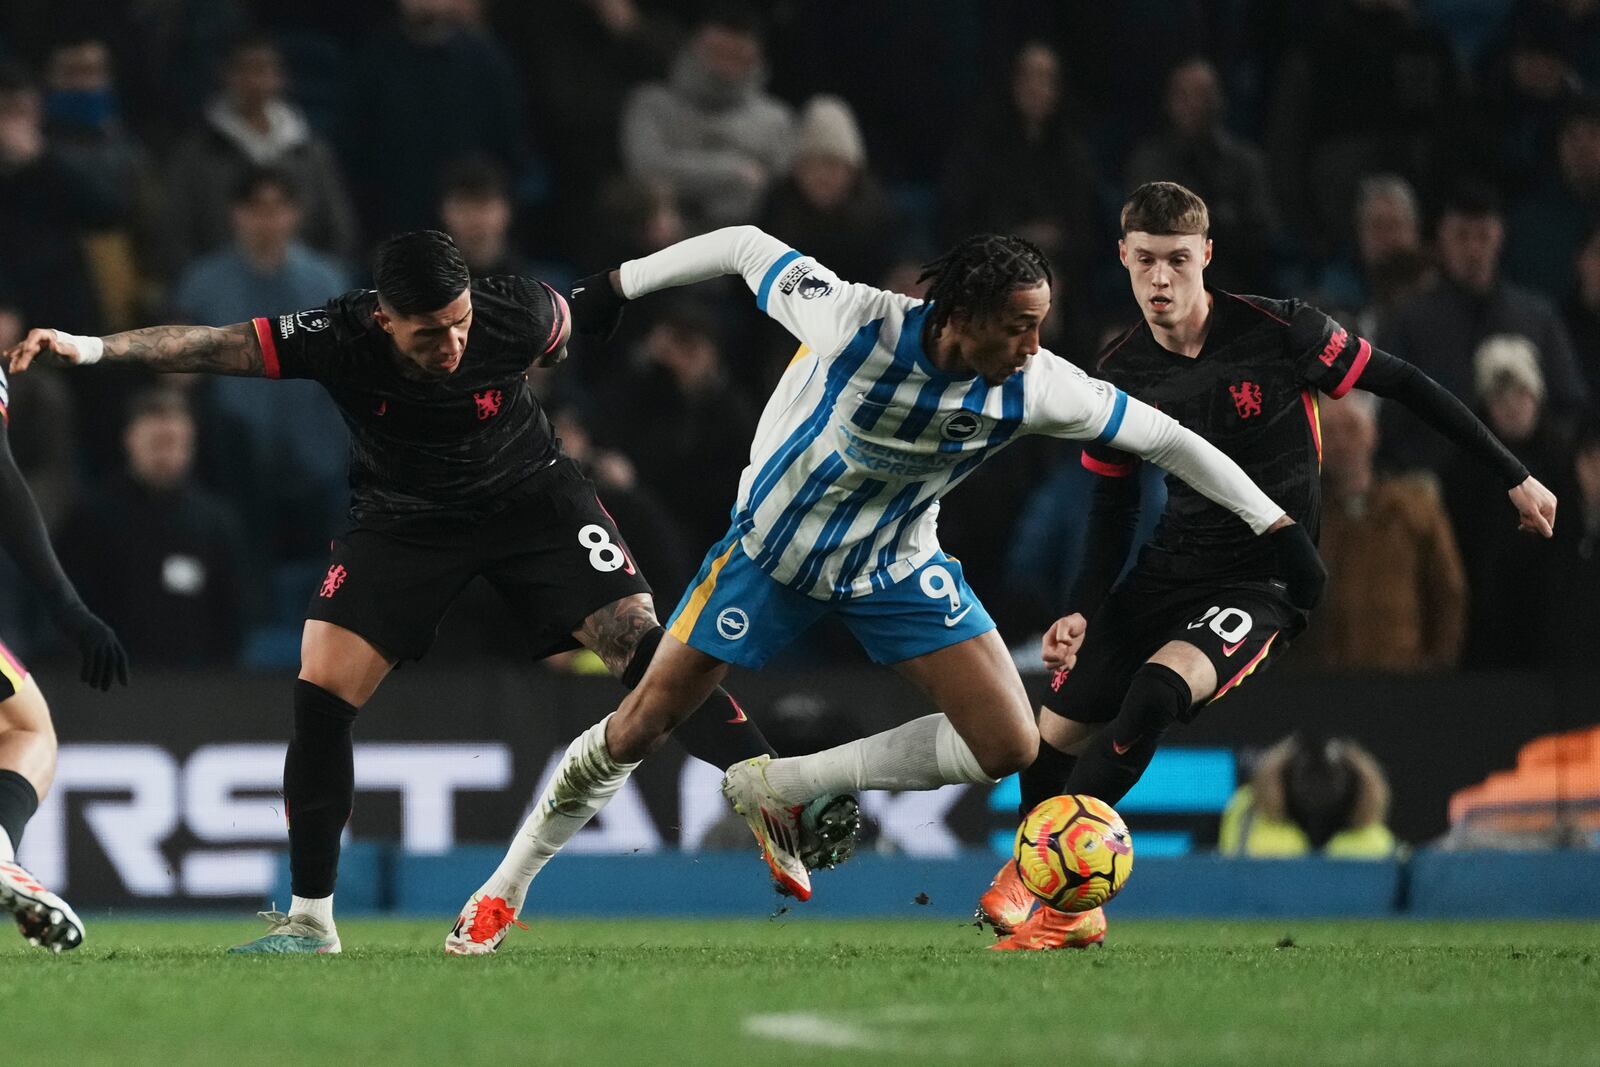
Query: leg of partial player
{"points": [[1112, 761], [625, 635], [983, 731], [1177, 677], [339, 672], [27, 767], [678, 680]]}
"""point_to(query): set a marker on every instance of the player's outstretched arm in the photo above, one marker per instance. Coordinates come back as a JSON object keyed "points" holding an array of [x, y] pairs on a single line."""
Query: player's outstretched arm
{"points": [[22, 533], [1393, 378], [213, 349]]}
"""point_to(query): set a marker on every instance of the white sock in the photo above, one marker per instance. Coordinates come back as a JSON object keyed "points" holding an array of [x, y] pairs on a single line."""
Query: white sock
{"points": [[319, 908], [925, 753], [7, 851], [585, 781]]}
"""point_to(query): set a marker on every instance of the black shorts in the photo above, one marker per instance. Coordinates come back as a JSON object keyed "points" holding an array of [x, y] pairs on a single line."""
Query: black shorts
{"points": [[12, 674], [554, 554], [1239, 627]]}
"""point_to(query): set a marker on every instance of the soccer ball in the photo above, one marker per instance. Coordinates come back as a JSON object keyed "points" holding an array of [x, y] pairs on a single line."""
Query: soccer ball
{"points": [[1073, 853]]}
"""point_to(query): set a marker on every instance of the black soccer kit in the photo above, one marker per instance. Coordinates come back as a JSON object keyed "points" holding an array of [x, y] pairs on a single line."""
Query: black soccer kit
{"points": [[1205, 578], [453, 476]]}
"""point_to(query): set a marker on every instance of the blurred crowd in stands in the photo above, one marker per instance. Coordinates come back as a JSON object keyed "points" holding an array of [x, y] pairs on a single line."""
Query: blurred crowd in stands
{"points": [[1427, 170]]}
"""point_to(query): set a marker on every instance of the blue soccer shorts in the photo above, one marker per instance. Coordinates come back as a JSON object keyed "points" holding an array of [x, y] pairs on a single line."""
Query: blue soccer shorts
{"points": [[737, 613]]}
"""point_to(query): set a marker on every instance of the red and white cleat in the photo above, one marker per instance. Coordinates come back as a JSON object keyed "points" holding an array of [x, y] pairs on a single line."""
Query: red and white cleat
{"points": [[44, 918], [1006, 903], [1048, 928], [775, 822], [481, 926]]}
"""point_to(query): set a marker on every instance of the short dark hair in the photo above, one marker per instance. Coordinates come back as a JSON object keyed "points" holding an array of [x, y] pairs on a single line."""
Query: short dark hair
{"points": [[979, 275], [475, 177], [162, 402], [1471, 199], [255, 179], [1165, 209], [732, 15], [419, 272]]}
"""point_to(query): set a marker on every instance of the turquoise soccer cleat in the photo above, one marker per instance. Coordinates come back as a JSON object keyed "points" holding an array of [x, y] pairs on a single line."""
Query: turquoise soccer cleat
{"points": [[291, 935]]}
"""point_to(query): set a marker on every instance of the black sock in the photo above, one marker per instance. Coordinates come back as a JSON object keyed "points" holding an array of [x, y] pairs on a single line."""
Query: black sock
{"points": [[18, 802], [719, 732], [1118, 755], [1045, 777], [319, 787]]}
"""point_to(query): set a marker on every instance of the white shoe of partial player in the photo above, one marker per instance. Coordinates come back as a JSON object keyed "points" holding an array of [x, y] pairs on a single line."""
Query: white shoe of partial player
{"points": [[481, 926], [44, 918], [774, 821]]}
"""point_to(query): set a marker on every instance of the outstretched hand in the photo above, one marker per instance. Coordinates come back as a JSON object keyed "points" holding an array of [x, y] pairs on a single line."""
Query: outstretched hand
{"points": [[102, 656], [1536, 507], [21, 354], [1062, 640]]}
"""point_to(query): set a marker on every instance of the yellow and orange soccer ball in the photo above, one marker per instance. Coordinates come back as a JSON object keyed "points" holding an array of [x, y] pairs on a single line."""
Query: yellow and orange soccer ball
{"points": [[1074, 853]]}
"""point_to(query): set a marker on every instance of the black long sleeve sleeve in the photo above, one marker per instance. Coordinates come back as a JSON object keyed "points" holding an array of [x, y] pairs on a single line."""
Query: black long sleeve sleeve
{"points": [[23, 534], [1113, 519], [1393, 378]]}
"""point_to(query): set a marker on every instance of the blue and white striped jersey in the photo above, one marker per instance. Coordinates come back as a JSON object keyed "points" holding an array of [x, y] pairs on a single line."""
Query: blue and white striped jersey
{"points": [[863, 434]]}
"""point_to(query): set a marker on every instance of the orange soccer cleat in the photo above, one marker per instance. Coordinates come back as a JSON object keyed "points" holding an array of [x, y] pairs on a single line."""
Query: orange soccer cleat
{"points": [[482, 925], [1048, 928], [1006, 903]]}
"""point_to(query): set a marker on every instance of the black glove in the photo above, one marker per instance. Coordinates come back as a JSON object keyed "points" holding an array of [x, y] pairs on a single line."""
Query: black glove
{"points": [[596, 306], [103, 656], [1299, 565]]}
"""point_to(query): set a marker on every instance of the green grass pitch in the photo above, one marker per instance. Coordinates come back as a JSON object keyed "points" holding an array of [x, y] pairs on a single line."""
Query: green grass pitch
{"points": [[797, 990]]}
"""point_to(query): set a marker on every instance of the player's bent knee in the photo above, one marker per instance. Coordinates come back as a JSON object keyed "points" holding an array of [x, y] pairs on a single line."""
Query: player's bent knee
{"points": [[1158, 696]]}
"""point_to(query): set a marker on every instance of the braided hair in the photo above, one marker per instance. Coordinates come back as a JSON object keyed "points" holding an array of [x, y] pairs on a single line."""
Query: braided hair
{"points": [[979, 275]]}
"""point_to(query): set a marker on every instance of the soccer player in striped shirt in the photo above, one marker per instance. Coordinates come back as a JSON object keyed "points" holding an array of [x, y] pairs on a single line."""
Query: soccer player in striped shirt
{"points": [[27, 738], [889, 403]]}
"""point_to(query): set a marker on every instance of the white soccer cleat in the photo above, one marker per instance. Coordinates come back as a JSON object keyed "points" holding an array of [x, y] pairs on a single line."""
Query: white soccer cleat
{"points": [[481, 926], [44, 918], [774, 821]]}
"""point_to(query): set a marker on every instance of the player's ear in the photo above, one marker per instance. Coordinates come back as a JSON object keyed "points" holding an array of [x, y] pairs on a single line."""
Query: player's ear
{"points": [[1206, 262], [1122, 251], [382, 319]]}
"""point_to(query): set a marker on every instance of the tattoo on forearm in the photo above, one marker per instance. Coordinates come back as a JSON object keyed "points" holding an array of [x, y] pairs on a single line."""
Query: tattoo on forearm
{"points": [[225, 350], [613, 632]]}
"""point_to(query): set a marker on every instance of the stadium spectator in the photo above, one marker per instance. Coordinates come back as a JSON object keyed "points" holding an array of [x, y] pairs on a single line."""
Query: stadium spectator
{"points": [[1506, 133], [1582, 311], [1396, 597], [1573, 609], [830, 203], [1329, 127], [1022, 166], [1438, 329], [250, 123], [577, 91], [430, 89], [1310, 795], [1388, 232], [83, 124], [1197, 150], [697, 439], [1547, 226], [47, 205], [711, 131], [156, 553], [477, 210], [292, 489], [264, 269], [1508, 573]]}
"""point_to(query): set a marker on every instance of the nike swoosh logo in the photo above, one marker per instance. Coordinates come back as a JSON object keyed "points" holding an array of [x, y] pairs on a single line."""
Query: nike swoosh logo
{"points": [[1119, 748], [738, 712], [951, 620], [1228, 650]]}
